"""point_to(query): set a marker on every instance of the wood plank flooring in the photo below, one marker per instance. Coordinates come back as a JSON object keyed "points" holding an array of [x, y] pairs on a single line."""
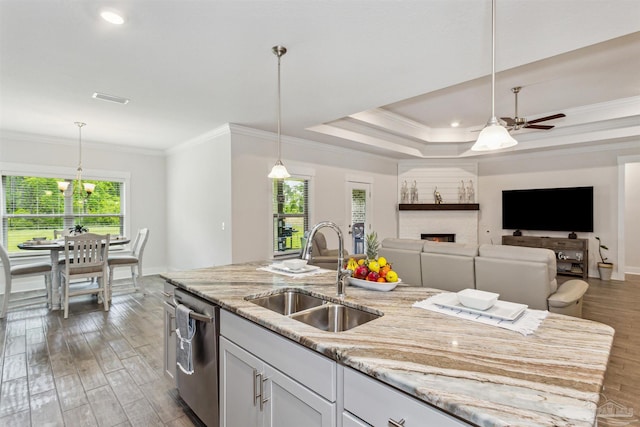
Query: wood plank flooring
{"points": [[105, 368], [95, 368]]}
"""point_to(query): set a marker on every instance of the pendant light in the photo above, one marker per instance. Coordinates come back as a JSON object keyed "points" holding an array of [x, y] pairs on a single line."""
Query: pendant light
{"points": [[279, 171], [494, 136], [84, 190]]}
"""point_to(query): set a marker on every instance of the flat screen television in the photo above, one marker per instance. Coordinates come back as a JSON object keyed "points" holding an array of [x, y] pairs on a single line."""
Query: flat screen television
{"points": [[548, 209]]}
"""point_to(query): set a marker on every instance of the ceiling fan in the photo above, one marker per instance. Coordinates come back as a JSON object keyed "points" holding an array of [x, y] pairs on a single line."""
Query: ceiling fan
{"points": [[520, 122]]}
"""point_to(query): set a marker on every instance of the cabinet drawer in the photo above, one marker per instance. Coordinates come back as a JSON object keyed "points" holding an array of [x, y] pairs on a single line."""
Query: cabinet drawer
{"points": [[521, 241], [315, 371], [377, 404], [565, 244]]}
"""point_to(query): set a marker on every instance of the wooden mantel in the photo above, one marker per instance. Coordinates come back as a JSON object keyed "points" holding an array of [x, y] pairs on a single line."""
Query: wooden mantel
{"points": [[439, 207]]}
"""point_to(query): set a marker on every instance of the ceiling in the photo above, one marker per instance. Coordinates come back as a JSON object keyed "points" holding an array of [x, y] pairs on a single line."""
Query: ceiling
{"points": [[382, 76]]}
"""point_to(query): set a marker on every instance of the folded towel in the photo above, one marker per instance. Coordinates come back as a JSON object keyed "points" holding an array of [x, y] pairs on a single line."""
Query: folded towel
{"points": [[185, 330]]}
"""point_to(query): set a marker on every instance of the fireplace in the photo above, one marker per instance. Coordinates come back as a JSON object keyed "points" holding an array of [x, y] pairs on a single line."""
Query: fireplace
{"points": [[438, 237]]}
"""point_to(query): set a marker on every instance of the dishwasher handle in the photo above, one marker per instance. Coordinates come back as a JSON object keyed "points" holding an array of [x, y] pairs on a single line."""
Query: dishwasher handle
{"points": [[197, 316]]}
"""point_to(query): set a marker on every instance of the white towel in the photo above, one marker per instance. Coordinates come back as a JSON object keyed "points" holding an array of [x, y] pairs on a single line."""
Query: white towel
{"points": [[185, 330], [526, 324]]}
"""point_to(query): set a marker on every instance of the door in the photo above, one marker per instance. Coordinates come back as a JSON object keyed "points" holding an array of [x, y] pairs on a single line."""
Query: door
{"points": [[289, 404], [358, 216], [239, 390]]}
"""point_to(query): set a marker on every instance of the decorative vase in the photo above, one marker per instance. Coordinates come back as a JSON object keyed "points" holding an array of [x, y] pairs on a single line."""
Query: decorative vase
{"points": [[605, 270]]}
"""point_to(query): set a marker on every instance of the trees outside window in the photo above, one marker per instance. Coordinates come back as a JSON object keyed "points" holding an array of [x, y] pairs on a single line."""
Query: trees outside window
{"points": [[290, 214], [35, 207]]}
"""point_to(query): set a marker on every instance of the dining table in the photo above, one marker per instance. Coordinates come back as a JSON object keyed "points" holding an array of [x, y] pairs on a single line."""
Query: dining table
{"points": [[55, 247]]}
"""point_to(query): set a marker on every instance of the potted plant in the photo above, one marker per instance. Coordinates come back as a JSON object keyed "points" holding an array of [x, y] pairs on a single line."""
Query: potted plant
{"points": [[604, 268], [78, 229]]}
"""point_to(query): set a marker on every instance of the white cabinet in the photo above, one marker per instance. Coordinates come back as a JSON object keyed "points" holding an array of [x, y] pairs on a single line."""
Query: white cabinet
{"points": [[266, 380], [169, 353], [378, 404]]}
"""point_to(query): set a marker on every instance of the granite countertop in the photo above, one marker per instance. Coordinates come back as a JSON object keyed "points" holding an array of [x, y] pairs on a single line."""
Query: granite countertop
{"points": [[486, 375]]}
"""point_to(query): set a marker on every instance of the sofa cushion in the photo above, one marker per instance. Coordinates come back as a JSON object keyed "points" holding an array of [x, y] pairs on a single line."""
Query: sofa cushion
{"points": [[405, 244], [521, 253], [450, 248], [447, 272]]}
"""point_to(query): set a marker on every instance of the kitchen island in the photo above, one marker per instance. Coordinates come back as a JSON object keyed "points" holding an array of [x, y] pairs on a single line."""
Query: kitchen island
{"points": [[481, 374]]}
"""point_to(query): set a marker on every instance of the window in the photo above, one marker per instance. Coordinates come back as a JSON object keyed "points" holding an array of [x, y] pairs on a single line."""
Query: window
{"points": [[290, 214], [35, 207]]}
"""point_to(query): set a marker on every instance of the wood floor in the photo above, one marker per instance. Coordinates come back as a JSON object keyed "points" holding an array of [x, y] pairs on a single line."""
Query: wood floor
{"points": [[105, 369], [95, 368]]}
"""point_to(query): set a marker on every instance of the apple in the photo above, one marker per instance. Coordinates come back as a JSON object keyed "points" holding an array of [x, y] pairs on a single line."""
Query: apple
{"points": [[373, 276], [361, 272]]}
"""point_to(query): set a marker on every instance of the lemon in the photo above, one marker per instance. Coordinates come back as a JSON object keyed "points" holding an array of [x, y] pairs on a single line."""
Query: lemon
{"points": [[374, 266], [361, 261], [382, 261], [392, 276]]}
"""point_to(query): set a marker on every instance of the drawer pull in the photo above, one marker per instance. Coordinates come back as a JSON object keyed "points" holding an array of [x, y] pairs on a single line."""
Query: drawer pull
{"points": [[394, 423], [166, 294], [262, 401], [256, 394]]}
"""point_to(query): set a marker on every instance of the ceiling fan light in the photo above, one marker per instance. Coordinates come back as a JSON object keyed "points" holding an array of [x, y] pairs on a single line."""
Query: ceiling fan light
{"points": [[493, 137], [279, 171]]}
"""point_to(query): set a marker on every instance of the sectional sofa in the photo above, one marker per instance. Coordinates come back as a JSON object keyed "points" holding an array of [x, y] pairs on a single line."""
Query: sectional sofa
{"points": [[518, 274]]}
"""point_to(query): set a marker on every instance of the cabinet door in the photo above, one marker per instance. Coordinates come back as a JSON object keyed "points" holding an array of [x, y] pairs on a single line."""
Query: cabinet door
{"points": [[350, 420], [239, 387], [290, 404], [169, 342]]}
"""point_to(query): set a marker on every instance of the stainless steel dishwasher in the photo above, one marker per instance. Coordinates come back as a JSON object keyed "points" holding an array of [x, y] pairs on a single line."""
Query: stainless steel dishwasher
{"points": [[200, 389]]}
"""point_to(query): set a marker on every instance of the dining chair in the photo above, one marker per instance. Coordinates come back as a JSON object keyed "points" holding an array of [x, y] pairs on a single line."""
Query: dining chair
{"points": [[19, 271], [85, 256], [133, 261]]}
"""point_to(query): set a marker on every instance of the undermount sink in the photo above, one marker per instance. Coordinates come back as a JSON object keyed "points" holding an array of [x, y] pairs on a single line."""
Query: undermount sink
{"points": [[288, 302], [315, 311], [335, 317]]}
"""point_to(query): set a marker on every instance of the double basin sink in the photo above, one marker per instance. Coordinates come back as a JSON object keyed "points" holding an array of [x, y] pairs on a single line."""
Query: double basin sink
{"points": [[317, 311]]}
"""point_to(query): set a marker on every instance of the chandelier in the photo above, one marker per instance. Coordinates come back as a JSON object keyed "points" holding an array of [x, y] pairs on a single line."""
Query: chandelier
{"points": [[83, 190]]}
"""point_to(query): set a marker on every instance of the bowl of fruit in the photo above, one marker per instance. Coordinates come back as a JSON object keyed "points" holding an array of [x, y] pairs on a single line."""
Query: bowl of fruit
{"points": [[377, 274]]}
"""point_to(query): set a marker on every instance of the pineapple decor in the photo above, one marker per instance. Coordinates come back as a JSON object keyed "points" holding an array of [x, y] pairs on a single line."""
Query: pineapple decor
{"points": [[372, 245]]}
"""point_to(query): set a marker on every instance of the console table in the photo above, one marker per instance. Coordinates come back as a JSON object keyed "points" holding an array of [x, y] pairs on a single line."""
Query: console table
{"points": [[572, 255]]}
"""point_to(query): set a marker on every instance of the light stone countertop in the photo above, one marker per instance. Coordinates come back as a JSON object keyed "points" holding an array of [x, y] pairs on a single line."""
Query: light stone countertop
{"points": [[483, 374]]}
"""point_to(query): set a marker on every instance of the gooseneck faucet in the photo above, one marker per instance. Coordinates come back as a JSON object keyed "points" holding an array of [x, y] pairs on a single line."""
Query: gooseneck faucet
{"points": [[342, 274]]}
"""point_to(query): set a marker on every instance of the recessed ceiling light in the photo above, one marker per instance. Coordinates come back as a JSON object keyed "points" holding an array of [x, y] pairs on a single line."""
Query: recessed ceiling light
{"points": [[110, 98], [112, 17], [455, 124]]}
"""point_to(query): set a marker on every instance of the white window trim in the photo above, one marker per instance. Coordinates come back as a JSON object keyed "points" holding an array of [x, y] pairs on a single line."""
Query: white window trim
{"points": [[44, 171]]}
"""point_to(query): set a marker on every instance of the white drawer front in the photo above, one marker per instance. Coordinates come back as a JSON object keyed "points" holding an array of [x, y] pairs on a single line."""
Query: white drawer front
{"points": [[379, 404]]}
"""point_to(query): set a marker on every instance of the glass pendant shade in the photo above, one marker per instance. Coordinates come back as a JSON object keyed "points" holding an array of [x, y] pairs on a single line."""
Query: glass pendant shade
{"points": [[279, 171], [493, 137]]}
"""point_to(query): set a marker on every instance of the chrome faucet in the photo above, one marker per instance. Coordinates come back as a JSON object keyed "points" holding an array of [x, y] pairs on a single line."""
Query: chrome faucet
{"points": [[342, 273]]}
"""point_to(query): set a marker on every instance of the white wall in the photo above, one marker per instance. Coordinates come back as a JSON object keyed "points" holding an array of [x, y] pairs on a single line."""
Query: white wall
{"points": [[556, 169], [254, 153], [198, 202], [145, 168]]}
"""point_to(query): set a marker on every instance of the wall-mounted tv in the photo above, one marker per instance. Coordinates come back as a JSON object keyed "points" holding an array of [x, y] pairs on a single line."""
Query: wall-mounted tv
{"points": [[548, 209]]}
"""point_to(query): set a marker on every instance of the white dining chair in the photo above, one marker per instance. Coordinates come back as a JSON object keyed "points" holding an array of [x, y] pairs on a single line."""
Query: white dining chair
{"points": [[133, 261], [85, 256], [19, 271]]}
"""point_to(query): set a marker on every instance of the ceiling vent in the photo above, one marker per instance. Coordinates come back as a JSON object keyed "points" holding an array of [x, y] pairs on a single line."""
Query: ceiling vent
{"points": [[110, 98]]}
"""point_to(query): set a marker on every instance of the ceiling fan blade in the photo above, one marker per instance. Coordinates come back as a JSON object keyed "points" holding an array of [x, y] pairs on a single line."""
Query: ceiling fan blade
{"points": [[543, 127], [544, 119], [509, 121]]}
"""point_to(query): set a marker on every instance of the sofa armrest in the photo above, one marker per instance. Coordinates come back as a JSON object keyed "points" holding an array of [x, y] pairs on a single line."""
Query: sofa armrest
{"points": [[568, 293]]}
